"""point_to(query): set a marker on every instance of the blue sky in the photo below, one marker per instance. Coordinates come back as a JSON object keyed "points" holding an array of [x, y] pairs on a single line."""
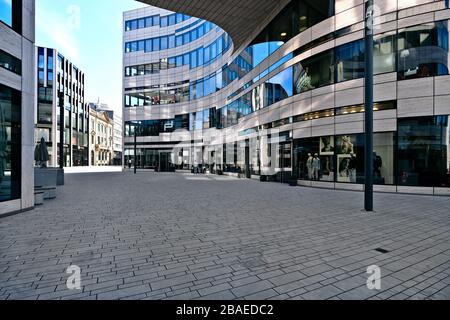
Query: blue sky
{"points": [[89, 33]]}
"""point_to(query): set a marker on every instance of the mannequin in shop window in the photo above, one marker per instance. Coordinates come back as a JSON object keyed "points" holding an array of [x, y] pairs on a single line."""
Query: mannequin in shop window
{"points": [[352, 164], [316, 167], [377, 164], [309, 166]]}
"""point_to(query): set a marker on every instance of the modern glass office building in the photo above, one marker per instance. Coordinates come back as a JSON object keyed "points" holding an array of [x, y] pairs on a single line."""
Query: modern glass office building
{"points": [[16, 105], [286, 100], [58, 80]]}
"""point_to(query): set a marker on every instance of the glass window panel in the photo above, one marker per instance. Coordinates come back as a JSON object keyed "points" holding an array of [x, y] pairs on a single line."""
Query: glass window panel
{"points": [[423, 51], [350, 158], [207, 55], [155, 67], [198, 120], [148, 45], [186, 59], [179, 18], [141, 70], [201, 31], [193, 91], [219, 43], [163, 21], [172, 19], [207, 27], [213, 50], [206, 119], [10, 143], [179, 61], [219, 81], [164, 43], [278, 87], [193, 62], [423, 151], [148, 69], [179, 41], [172, 63], [350, 61], [149, 22], [259, 52], [186, 38], [171, 41], [141, 23], [383, 162], [314, 72], [156, 44], [194, 35], [384, 53], [200, 56], [141, 45]]}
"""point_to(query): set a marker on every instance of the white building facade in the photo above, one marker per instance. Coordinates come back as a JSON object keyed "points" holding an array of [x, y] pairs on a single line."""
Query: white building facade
{"points": [[101, 141]]}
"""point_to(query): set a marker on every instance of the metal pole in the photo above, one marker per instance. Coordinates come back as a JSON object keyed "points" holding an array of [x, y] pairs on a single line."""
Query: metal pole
{"points": [[368, 191], [61, 129], [135, 149]]}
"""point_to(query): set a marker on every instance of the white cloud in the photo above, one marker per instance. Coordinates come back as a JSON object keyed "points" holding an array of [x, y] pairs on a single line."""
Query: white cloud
{"points": [[59, 31]]}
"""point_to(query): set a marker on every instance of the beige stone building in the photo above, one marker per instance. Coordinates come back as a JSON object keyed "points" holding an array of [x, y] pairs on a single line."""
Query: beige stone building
{"points": [[101, 138]]}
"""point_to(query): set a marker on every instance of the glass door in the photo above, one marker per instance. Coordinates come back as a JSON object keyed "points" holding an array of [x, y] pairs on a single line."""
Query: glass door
{"points": [[284, 162]]}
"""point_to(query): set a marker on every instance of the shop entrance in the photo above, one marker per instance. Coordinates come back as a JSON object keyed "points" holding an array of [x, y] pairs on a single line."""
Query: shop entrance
{"points": [[284, 162], [164, 162], [247, 170]]}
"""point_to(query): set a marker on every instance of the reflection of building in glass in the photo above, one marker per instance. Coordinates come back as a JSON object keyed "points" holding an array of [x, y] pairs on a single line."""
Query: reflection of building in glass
{"points": [[57, 76], [295, 91]]}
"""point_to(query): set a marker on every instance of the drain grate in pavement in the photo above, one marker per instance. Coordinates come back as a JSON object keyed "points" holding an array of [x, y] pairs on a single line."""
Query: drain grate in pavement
{"points": [[381, 250]]}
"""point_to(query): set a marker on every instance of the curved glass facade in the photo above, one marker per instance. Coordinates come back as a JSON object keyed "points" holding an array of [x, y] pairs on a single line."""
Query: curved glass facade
{"points": [[156, 20], [169, 41], [290, 105]]}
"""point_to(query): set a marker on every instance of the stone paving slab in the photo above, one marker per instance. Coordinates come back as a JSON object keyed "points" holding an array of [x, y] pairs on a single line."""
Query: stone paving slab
{"points": [[179, 236]]}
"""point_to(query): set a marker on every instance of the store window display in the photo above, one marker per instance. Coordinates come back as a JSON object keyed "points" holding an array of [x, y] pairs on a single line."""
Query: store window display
{"points": [[423, 151], [350, 160], [327, 158]]}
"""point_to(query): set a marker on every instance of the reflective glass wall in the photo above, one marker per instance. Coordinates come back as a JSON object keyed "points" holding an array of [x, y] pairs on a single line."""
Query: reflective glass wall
{"points": [[423, 50], [424, 151], [11, 14], [10, 144]]}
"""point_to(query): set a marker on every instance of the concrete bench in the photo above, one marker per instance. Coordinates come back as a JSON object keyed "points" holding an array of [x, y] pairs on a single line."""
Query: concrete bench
{"points": [[39, 198], [49, 192]]}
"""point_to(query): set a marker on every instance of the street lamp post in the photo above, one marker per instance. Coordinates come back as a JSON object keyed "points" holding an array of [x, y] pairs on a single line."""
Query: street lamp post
{"points": [[135, 147], [368, 176], [61, 129]]}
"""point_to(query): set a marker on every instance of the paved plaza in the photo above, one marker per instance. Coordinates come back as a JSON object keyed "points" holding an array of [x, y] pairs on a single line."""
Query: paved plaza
{"points": [[181, 236]]}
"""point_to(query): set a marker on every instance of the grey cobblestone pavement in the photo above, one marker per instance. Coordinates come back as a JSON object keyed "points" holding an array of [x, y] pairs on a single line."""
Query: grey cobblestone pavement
{"points": [[178, 236]]}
